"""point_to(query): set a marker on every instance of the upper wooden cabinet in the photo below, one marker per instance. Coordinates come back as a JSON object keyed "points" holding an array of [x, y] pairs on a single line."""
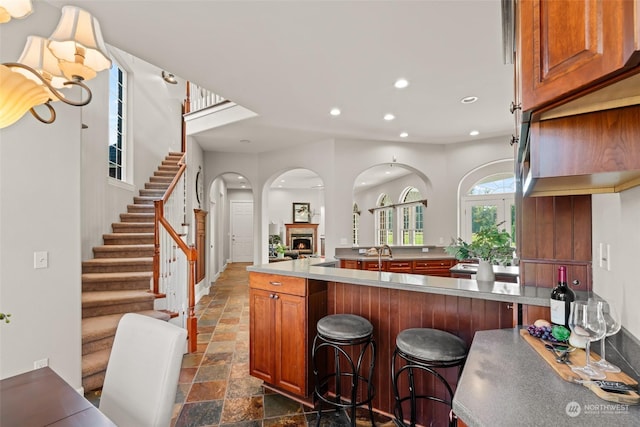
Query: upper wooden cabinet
{"points": [[570, 47]]}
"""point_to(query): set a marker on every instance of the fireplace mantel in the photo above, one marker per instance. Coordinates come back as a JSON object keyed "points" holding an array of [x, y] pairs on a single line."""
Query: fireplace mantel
{"points": [[302, 228]]}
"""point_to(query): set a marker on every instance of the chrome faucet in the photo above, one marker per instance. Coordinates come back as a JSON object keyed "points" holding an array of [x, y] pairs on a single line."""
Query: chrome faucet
{"points": [[381, 252]]}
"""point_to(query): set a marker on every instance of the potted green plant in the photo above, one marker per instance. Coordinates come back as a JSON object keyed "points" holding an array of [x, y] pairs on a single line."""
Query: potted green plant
{"points": [[490, 245], [280, 250]]}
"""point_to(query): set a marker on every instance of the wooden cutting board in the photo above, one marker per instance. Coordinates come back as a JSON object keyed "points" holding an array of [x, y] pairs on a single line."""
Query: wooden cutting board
{"points": [[578, 358]]}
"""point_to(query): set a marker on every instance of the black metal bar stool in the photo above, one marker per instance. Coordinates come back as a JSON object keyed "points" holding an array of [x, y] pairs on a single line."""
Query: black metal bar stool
{"points": [[338, 332], [425, 349]]}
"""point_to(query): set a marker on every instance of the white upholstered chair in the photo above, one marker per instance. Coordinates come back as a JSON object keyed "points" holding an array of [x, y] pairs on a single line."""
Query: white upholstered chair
{"points": [[142, 375]]}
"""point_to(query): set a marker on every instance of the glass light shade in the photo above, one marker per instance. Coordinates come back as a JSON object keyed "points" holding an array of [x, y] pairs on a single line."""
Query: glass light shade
{"points": [[78, 43], [18, 94], [14, 9], [37, 55]]}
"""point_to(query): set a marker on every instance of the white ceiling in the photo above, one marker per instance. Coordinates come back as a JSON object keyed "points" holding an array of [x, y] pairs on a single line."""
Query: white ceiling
{"points": [[292, 61]]}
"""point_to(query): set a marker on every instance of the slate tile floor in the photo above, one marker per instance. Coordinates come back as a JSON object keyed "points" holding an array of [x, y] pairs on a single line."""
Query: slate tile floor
{"points": [[215, 388]]}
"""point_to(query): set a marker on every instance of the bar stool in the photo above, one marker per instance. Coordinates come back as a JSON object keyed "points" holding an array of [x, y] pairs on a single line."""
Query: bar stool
{"points": [[339, 332], [425, 349]]}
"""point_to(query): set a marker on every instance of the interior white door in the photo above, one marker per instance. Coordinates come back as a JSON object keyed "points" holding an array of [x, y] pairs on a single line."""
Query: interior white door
{"points": [[241, 231]]}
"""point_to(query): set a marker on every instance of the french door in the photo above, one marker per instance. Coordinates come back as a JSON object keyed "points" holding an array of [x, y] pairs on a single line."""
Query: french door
{"points": [[487, 210]]}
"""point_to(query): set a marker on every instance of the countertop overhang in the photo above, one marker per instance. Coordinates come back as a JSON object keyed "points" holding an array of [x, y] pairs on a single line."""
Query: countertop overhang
{"points": [[396, 257], [310, 268]]}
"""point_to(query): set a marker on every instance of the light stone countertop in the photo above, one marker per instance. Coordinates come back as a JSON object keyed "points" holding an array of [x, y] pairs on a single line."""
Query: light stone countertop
{"points": [[492, 291], [466, 268], [396, 256], [506, 383]]}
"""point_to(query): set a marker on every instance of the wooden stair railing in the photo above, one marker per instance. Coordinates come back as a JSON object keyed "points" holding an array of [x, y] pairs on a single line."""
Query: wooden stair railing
{"points": [[190, 252]]}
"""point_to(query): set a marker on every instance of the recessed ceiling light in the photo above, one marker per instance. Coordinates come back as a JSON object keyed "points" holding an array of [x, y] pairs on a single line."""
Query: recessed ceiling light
{"points": [[403, 134], [243, 186], [387, 173], [335, 112], [388, 117], [363, 183], [240, 177], [469, 99], [474, 133], [401, 83], [282, 180]]}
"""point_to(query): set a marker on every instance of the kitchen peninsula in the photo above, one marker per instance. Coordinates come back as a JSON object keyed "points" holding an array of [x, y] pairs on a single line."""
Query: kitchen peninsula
{"points": [[288, 298]]}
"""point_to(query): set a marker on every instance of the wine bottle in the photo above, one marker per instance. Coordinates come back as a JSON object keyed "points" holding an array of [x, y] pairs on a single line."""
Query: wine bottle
{"points": [[561, 299]]}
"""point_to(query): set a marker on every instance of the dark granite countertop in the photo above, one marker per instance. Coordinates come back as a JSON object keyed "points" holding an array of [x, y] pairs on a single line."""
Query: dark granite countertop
{"points": [[506, 383]]}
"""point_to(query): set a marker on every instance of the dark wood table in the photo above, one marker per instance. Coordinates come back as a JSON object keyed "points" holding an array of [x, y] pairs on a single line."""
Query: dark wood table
{"points": [[42, 398]]}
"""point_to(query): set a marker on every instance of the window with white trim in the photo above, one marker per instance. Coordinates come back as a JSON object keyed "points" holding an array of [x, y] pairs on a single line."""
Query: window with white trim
{"points": [[412, 215], [117, 121], [490, 201], [384, 221], [355, 225]]}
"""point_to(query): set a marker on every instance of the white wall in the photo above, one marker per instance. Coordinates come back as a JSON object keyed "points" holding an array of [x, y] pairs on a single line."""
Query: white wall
{"points": [[338, 163], [40, 211], [615, 222], [154, 129]]}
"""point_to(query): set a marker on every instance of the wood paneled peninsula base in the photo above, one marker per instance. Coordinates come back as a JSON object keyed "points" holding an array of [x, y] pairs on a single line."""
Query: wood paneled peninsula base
{"points": [[288, 298]]}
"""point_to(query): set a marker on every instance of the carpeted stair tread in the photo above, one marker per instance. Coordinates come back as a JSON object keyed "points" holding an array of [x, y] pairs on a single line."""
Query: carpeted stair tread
{"points": [[121, 276], [95, 362], [132, 227], [124, 251], [99, 327], [102, 298], [104, 265], [127, 238], [139, 208], [137, 217]]}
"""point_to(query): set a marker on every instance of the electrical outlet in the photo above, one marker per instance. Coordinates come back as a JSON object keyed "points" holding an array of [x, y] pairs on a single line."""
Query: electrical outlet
{"points": [[362, 251], [42, 363], [425, 249]]}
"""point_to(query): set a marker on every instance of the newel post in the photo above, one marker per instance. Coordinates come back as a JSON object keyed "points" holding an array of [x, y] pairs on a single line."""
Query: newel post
{"points": [[159, 207]]}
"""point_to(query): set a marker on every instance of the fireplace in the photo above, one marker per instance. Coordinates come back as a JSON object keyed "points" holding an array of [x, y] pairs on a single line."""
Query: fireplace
{"points": [[302, 237]]}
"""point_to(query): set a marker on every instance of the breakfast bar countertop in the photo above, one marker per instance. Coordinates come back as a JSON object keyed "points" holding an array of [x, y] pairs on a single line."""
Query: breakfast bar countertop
{"points": [[493, 291], [506, 383]]}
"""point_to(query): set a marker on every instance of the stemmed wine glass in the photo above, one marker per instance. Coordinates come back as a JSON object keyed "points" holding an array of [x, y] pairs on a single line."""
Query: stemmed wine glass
{"points": [[612, 320], [587, 321]]}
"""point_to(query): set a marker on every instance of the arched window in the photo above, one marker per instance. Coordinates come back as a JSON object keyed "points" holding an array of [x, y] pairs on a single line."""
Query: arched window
{"points": [[412, 214], [384, 221], [490, 201], [355, 225]]}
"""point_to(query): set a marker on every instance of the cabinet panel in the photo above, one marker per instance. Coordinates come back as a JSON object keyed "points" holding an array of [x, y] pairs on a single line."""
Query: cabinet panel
{"points": [[350, 263], [373, 265], [433, 267], [262, 342], [278, 283], [291, 342], [567, 45], [400, 266]]}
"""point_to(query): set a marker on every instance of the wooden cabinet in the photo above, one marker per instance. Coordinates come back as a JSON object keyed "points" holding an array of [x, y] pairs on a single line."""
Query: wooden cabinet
{"points": [[567, 46], [433, 267], [350, 263], [400, 266], [555, 231], [428, 267], [283, 314]]}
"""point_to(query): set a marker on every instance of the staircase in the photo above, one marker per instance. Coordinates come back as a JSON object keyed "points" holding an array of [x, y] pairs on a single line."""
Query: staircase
{"points": [[118, 279]]}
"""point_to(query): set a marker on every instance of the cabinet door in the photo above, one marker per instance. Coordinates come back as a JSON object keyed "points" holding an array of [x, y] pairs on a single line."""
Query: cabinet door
{"points": [[568, 45], [433, 267], [399, 266], [373, 265], [350, 263], [291, 347], [262, 326]]}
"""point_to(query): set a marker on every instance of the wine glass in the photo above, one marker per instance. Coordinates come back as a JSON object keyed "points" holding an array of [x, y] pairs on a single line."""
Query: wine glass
{"points": [[587, 321], [612, 320]]}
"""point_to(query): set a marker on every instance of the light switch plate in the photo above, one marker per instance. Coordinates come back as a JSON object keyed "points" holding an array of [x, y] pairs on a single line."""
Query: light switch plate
{"points": [[40, 259]]}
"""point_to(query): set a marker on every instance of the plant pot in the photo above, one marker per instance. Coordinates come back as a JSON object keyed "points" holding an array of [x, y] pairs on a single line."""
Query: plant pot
{"points": [[280, 255], [485, 272]]}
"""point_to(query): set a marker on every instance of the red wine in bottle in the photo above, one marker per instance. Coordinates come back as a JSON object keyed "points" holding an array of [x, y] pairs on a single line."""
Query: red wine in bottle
{"points": [[561, 299]]}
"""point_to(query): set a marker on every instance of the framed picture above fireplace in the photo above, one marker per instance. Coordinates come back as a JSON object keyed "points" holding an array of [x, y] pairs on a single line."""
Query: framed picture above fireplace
{"points": [[301, 212]]}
